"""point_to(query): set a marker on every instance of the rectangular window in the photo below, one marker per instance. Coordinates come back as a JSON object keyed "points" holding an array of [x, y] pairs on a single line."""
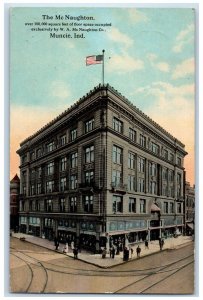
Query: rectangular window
{"points": [[131, 160], [39, 152], [117, 125], [166, 207], [62, 204], [165, 154], [39, 188], [141, 185], [73, 204], [37, 205], [63, 184], [152, 187], [116, 178], [32, 190], [132, 205], [164, 173], [24, 190], [32, 156], [74, 160], [88, 203], [117, 155], [179, 161], [179, 185], [50, 168], [171, 176], [142, 206], [179, 209], [117, 204], [89, 177], [171, 157], [131, 183], [152, 169], [141, 164], [155, 148], [73, 182], [171, 207], [89, 154], [132, 135], [31, 205], [49, 205], [63, 140], [50, 147], [164, 190], [63, 164], [142, 140], [73, 134], [39, 172], [89, 125], [49, 186]]}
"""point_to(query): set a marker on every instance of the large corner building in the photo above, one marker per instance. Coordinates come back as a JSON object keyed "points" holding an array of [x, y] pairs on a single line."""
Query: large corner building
{"points": [[102, 172]]}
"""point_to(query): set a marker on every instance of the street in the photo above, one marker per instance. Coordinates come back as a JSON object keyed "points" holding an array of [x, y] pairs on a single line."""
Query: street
{"points": [[34, 269]]}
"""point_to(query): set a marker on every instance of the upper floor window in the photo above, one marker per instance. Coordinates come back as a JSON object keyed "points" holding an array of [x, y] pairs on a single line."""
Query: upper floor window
{"points": [[89, 177], [117, 155], [89, 125], [62, 204], [63, 184], [131, 160], [166, 207], [39, 172], [88, 203], [63, 140], [116, 178], [32, 155], [39, 188], [37, 205], [142, 140], [171, 207], [179, 161], [24, 158], [89, 154], [73, 134], [142, 206], [117, 125], [24, 190], [50, 168], [171, 157], [49, 205], [73, 182], [39, 152], [73, 204], [132, 134], [164, 172], [171, 175], [141, 185], [179, 208], [74, 160], [155, 148], [131, 183], [50, 186], [152, 187], [152, 169], [165, 154], [117, 204], [164, 190], [141, 164], [32, 190], [63, 164], [50, 147], [132, 205]]}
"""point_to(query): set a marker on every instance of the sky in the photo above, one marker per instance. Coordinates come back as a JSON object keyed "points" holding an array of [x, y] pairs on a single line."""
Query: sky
{"points": [[149, 58]]}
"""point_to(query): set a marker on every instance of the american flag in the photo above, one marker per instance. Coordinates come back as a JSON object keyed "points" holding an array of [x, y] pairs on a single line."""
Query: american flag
{"points": [[94, 59]]}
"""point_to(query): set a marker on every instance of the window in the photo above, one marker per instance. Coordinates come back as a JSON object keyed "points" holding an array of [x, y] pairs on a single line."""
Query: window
{"points": [[117, 155], [171, 207], [49, 205], [131, 183], [116, 178], [171, 191], [164, 190], [74, 160], [142, 206], [73, 182], [88, 203], [62, 204], [32, 190], [152, 169], [178, 185], [73, 204], [89, 125], [24, 159], [166, 207], [39, 152], [37, 205], [49, 186], [171, 176], [142, 140], [63, 140], [152, 187], [63, 184], [32, 155], [164, 173], [22, 205], [141, 185], [24, 190], [179, 161], [89, 154], [117, 125], [63, 164], [73, 134], [179, 209], [171, 157], [155, 148], [39, 172], [165, 154], [50, 147], [132, 135], [141, 164], [132, 205], [131, 160], [39, 188], [30, 205], [50, 168], [89, 177], [117, 204]]}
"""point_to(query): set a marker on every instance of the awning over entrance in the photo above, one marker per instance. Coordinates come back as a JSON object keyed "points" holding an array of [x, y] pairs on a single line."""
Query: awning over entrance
{"points": [[190, 225], [155, 208]]}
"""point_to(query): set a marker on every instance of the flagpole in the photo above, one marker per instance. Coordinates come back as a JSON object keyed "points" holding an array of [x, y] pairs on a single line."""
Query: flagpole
{"points": [[103, 68]]}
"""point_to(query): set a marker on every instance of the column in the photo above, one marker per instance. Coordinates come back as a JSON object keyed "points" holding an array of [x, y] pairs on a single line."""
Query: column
{"points": [[146, 176]]}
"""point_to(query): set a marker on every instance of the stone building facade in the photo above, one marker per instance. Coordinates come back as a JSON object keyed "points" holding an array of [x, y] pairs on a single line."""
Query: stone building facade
{"points": [[102, 172], [189, 208], [14, 202]]}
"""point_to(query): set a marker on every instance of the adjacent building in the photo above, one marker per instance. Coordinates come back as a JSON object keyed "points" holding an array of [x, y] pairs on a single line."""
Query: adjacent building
{"points": [[189, 208], [14, 202], [102, 172]]}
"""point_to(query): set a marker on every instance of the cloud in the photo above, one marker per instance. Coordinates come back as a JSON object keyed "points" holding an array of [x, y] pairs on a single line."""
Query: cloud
{"points": [[117, 36], [59, 90], [184, 37], [160, 65], [124, 63], [137, 16], [173, 109], [184, 69]]}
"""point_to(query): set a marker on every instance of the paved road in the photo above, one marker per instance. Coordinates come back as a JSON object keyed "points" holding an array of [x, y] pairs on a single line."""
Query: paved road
{"points": [[34, 269]]}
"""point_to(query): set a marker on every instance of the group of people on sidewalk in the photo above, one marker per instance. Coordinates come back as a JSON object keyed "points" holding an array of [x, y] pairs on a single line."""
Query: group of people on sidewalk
{"points": [[65, 249]]}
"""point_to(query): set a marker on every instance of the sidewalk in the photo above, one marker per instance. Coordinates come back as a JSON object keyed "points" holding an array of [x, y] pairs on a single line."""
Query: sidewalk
{"points": [[95, 259]]}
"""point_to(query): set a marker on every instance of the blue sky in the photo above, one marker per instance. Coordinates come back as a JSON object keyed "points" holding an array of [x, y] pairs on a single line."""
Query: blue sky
{"points": [[151, 63]]}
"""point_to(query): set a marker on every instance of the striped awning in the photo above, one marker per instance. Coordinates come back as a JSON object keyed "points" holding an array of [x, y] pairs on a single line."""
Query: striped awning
{"points": [[154, 207]]}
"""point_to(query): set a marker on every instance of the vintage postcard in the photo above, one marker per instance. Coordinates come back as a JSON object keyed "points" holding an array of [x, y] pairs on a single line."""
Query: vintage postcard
{"points": [[102, 190]]}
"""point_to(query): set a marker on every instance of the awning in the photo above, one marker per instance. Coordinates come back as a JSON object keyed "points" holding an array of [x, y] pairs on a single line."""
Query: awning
{"points": [[154, 207], [190, 225]]}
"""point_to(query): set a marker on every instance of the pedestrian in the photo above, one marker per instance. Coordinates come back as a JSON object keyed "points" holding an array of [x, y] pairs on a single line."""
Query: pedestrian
{"points": [[131, 252], [104, 253], [113, 251], [75, 252], [72, 245], [146, 244], [160, 244], [110, 252], [65, 249], [138, 250], [56, 243]]}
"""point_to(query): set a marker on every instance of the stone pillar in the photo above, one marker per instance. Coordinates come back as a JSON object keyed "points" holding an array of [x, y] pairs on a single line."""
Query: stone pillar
{"points": [[146, 176]]}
